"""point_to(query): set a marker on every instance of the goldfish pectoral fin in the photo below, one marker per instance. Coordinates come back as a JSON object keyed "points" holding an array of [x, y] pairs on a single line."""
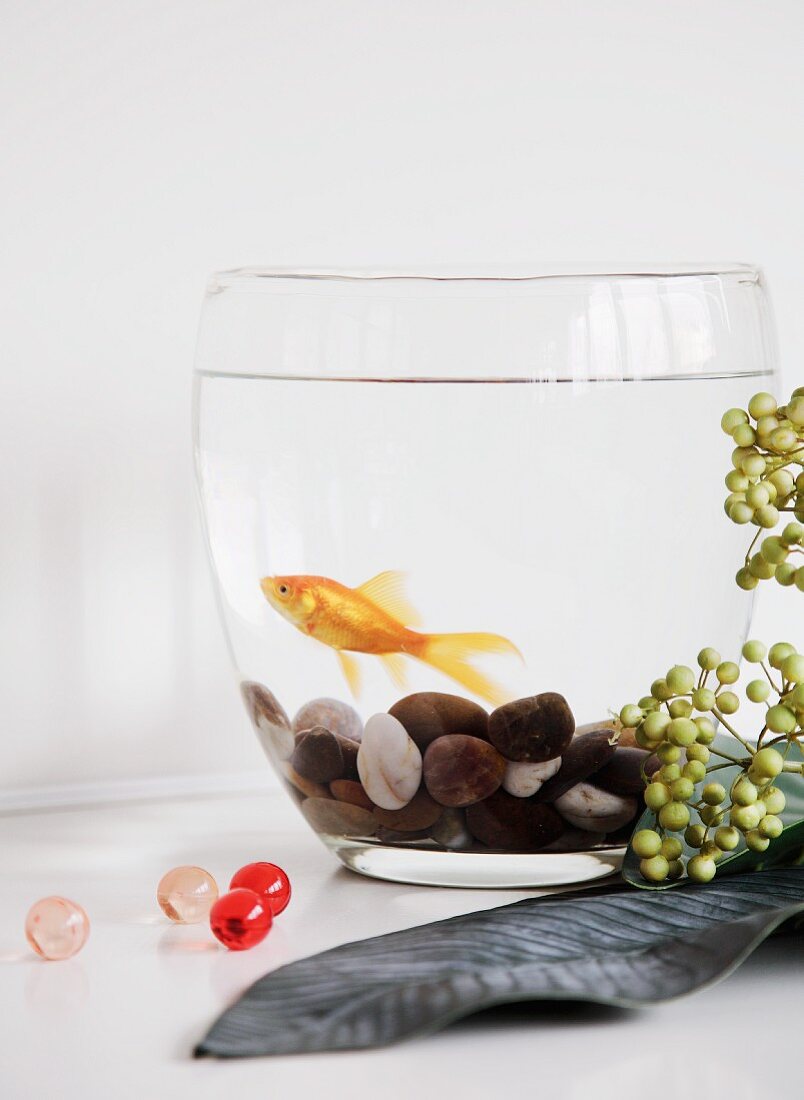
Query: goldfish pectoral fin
{"points": [[387, 591], [394, 665], [351, 670]]}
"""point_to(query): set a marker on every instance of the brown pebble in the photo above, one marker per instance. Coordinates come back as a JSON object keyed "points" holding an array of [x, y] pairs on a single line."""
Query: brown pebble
{"points": [[420, 813], [460, 770], [306, 786], [428, 715], [318, 755], [534, 729], [584, 756], [349, 750], [450, 830], [397, 836], [352, 791], [338, 818], [333, 715], [623, 773], [513, 824], [262, 704]]}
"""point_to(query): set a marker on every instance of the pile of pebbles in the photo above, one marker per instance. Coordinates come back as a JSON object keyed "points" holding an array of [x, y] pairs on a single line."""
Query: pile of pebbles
{"points": [[437, 770]]}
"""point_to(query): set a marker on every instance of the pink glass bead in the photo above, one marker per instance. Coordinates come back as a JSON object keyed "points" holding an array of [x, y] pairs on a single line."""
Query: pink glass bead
{"points": [[186, 894], [267, 880], [240, 919], [56, 928]]}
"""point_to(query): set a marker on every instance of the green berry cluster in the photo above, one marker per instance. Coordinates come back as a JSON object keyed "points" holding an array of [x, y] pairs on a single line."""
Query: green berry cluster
{"points": [[676, 722], [767, 481]]}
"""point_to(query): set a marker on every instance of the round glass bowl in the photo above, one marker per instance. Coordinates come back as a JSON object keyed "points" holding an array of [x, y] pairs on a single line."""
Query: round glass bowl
{"points": [[451, 496]]}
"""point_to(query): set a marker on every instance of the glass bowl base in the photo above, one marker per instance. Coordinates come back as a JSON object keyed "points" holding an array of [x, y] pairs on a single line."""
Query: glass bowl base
{"points": [[475, 870]]}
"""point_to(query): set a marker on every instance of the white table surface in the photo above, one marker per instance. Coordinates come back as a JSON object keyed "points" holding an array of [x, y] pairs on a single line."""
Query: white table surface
{"points": [[120, 1019]]}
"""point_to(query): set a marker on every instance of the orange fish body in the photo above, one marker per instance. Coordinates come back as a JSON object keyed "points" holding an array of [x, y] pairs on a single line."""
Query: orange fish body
{"points": [[376, 618]]}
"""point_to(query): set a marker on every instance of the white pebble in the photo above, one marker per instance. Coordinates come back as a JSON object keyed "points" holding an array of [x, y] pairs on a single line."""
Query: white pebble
{"points": [[597, 811], [523, 780], [389, 763]]}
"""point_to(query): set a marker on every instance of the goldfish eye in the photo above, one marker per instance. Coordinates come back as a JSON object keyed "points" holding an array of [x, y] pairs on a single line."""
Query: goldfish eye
{"points": [[283, 590]]}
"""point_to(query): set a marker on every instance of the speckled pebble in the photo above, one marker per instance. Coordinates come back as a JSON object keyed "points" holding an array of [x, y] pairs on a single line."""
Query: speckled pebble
{"points": [[269, 720], [420, 813], [338, 818], [428, 715], [333, 715], [318, 755], [460, 770], [524, 780], [532, 730], [587, 807], [389, 763]]}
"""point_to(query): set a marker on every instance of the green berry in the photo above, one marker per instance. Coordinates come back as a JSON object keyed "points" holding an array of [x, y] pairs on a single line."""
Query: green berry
{"points": [[646, 843], [774, 800], [761, 404], [674, 816], [778, 652], [644, 741], [727, 672], [710, 850], [745, 579], [785, 574], [671, 848], [655, 869], [659, 690], [703, 699], [793, 668], [760, 568], [767, 516], [701, 869], [757, 495], [648, 703], [770, 826], [669, 773], [676, 869], [728, 703], [682, 731], [630, 716], [695, 835], [682, 789], [668, 753], [680, 708], [757, 691], [781, 480], [694, 770], [800, 578], [745, 817], [740, 512], [744, 793], [744, 435], [727, 838], [754, 465], [732, 419], [793, 534], [780, 719], [713, 794], [773, 550], [756, 841], [656, 796], [768, 763], [754, 652], [782, 440], [680, 679], [709, 658], [711, 815], [706, 730], [698, 752], [655, 724]]}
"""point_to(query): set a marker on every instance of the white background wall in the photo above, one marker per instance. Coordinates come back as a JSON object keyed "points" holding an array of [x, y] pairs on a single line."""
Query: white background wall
{"points": [[145, 143]]}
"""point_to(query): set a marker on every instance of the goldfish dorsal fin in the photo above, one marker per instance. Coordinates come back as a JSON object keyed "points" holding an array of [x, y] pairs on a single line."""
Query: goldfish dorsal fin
{"points": [[386, 590]]}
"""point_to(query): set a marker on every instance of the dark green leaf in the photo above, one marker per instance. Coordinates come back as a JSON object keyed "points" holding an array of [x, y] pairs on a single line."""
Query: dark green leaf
{"points": [[626, 948]]}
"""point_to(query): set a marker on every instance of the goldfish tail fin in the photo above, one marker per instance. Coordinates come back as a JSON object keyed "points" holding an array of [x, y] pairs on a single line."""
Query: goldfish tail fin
{"points": [[351, 670], [394, 665], [449, 653]]}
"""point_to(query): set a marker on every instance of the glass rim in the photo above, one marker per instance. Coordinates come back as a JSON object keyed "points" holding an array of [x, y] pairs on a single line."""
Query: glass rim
{"points": [[256, 277]]}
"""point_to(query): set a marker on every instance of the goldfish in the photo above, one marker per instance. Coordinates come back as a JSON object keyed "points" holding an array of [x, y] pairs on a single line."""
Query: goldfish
{"points": [[376, 618]]}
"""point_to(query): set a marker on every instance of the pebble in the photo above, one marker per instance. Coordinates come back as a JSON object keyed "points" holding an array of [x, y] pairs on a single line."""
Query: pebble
{"points": [[623, 773], [307, 787], [350, 790], [587, 807], [318, 756], [450, 830], [338, 818], [534, 729], [583, 757], [333, 715], [574, 840], [420, 813], [524, 780], [269, 719], [460, 770], [515, 824], [428, 715], [389, 763]]}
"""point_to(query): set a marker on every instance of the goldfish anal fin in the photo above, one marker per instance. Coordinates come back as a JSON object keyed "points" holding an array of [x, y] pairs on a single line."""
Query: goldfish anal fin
{"points": [[387, 591], [394, 665], [351, 670]]}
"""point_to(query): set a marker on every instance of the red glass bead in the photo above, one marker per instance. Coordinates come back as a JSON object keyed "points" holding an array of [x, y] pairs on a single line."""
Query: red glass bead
{"points": [[240, 919], [267, 880]]}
